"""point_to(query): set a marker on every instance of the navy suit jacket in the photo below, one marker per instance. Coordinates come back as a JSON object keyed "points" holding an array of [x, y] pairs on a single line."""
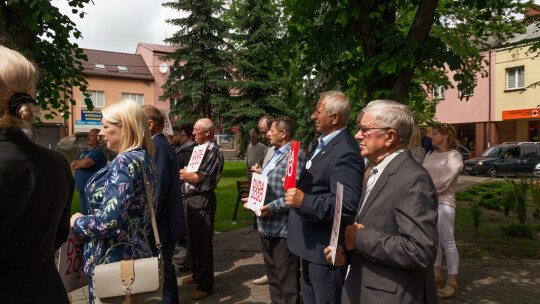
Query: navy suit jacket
{"points": [[310, 226], [170, 216]]}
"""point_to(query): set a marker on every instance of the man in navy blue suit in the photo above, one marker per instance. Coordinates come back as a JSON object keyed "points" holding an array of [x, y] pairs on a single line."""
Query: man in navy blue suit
{"points": [[337, 158], [170, 212]]}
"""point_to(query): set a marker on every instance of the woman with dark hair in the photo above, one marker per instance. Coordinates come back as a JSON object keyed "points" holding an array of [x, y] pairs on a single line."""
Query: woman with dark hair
{"points": [[444, 166], [36, 188], [183, 143]]}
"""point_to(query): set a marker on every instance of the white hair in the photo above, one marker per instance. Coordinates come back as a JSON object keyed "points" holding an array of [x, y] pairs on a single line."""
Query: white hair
{"points": [[394, 115], [337, 102]]}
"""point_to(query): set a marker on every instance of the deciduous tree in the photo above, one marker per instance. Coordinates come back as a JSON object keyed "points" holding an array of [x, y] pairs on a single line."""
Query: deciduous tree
{"points": [[38, 30]]}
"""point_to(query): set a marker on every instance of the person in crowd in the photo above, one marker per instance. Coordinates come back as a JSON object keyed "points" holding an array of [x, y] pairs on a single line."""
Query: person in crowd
{"points": [[183, 146], [426, 141], [87, 164], [444, 166], [256, 152], [118, 210], [282, 266], [264, 125], [336, 159], [415, 145], [36, 188], [393, 242], [183, 143], [170, 210], [102, 145], [200, 200]]}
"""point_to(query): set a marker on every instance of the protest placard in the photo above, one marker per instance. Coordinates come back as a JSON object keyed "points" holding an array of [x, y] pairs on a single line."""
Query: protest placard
{"points": [[290, 177], [167, 126], [196, 158], [257, 192], [70, 264], [337, 221]]}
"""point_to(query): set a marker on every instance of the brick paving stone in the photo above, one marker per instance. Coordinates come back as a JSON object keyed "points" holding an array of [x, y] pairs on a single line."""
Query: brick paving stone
{"points": [[238, 261]]}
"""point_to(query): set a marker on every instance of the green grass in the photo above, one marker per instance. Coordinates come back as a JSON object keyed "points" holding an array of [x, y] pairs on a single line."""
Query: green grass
{"points": [[75, 202], [226, 193], [226, 198]]}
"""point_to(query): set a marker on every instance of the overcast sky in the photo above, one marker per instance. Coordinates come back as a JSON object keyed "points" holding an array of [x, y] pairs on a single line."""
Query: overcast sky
{"points": [[119, 25]]}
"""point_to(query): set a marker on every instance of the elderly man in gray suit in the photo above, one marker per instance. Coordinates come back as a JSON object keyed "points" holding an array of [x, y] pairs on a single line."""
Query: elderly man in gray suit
{"points": [[392, 245]]}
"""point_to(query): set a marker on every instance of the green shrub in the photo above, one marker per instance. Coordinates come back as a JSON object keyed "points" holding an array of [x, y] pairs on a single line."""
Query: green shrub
{"points": [[521, 208], [494, 185], [493, 203], [478, 253], [517, 230], [463, 196], [536, 213], [472, 191], [476, 212], [486, 195]]}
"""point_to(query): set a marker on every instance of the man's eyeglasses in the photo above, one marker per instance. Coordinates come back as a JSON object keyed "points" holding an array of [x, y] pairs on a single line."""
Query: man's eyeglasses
{"points": [[365, 130]]}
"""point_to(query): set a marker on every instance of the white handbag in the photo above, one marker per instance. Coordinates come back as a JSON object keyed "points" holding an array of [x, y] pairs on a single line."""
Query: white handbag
{"points": [[131, 281]]}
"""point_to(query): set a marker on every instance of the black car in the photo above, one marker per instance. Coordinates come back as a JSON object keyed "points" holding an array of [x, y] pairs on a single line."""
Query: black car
{"points": [[464, 152], [510, 158]]}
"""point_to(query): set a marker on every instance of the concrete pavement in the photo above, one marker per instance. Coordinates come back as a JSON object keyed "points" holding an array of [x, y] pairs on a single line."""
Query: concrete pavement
{"points": [[238, 261]]}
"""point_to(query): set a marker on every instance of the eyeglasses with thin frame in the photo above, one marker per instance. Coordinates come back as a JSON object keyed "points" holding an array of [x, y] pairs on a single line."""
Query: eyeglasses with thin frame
{"points": [[364, 130]]}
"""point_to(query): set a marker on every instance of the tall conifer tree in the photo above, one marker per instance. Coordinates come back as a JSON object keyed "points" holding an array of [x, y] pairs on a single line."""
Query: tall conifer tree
{"points": [[258, 70], [201, 70]]}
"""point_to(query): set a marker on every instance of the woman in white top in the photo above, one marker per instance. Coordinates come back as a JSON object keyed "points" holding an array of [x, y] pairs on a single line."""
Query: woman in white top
{"points": [[444, 166]]}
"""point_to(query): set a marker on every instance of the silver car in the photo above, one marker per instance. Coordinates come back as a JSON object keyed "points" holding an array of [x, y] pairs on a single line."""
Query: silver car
{"points": [[536, 170]]}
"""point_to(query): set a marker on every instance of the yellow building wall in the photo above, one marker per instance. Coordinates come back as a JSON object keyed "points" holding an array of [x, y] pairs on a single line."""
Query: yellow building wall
{"points": [[516, 99], [113, 89]]}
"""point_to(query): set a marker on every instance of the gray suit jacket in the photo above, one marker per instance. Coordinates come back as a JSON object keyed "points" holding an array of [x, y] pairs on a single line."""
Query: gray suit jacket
{"points": [[269, 153], [394, 254]]}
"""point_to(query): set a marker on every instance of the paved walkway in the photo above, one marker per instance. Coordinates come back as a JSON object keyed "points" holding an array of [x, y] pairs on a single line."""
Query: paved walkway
{"points": [[238, 261]]}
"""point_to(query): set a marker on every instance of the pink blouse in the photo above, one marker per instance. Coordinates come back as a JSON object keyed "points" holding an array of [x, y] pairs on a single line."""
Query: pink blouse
{"points": [[444, 169]]}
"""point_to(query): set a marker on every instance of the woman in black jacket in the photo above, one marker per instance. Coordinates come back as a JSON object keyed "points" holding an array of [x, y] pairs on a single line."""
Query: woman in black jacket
{"points": [[36, 188], [183, 143]]}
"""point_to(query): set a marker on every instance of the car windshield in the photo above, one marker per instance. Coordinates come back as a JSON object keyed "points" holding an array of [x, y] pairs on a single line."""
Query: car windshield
{"points": [[493, 152]]}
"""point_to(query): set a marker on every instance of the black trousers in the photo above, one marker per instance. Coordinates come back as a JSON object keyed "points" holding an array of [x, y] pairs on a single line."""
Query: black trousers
{"points": [[200, 213], [282, 269]]}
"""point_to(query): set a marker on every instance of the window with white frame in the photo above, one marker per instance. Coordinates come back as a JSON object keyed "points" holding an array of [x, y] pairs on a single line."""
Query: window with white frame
{"points": [[515, 78], [173, 102], [139, 98], [97, 97], [440, 92], [467, 92]]}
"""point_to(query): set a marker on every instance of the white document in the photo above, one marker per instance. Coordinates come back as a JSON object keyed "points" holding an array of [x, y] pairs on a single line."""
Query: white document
{"points": [[257, 192], [337, 221], [167, 128], [196, 158], [70, 264]]}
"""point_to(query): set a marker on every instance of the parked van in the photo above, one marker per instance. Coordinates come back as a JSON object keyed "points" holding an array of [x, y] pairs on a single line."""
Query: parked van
{"points": [[509, 158]]}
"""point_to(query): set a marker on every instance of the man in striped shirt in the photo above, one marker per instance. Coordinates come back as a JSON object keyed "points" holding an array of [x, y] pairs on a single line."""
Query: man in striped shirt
{"points": [[200, 203]]}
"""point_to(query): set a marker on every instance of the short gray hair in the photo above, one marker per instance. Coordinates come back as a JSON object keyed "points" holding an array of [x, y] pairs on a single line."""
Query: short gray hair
{"points": [[285, 123], [393, 115], [207, 124], [337, 102]]}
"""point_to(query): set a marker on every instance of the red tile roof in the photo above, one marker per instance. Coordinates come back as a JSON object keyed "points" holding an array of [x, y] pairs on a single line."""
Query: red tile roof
{"points": [[159, 48], [136, 67]]}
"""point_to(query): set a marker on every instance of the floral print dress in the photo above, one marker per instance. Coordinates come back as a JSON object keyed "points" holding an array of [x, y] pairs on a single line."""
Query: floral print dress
{"points": [[118, 211]]}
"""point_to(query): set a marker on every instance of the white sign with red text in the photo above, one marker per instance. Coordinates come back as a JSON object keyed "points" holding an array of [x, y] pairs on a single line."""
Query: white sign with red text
{"points": [[70, 264], [196, 158], [257, 192], [167, 127], [337, 221]]}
